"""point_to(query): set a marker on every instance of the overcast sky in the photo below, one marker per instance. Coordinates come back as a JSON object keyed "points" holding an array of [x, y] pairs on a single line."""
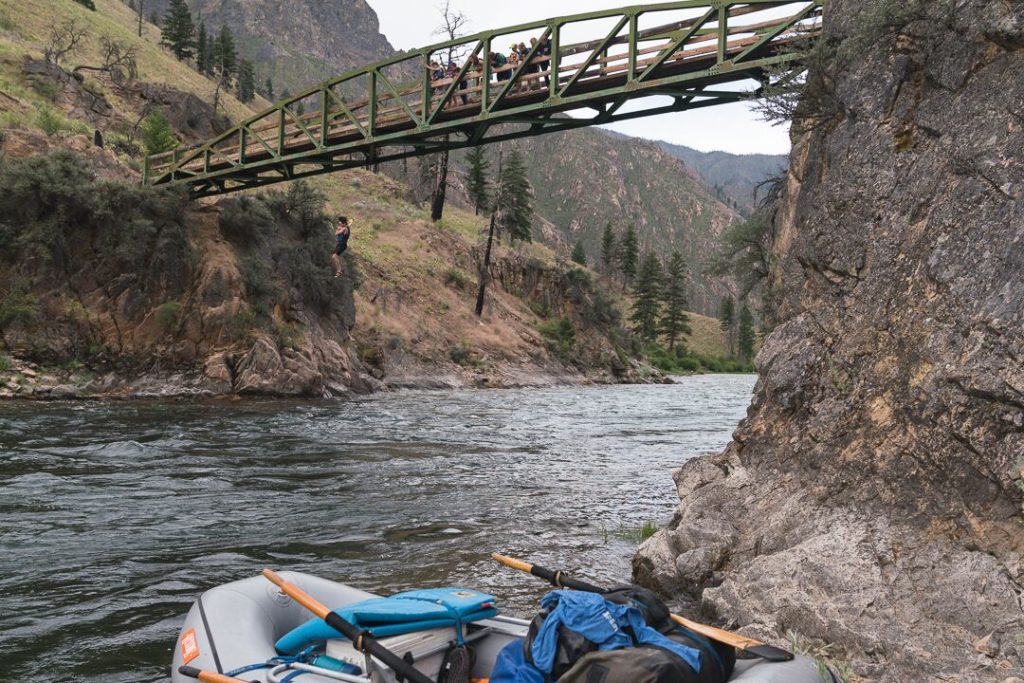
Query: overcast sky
{"points": [[731, 128]]}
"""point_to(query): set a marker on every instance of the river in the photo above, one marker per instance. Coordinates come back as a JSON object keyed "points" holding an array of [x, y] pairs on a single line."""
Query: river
{"points": [[115, 515]]}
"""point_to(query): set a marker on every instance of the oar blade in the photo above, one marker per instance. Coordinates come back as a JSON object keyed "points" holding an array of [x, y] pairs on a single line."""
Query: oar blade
{"points": [[769, 653]]}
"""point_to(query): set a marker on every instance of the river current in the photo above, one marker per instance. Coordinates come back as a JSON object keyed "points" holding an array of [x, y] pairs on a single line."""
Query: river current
{"points": [[115, 516]]}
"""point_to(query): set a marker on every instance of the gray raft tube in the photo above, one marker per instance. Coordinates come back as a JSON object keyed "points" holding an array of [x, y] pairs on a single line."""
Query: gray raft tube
{"points": [[234, 626]]}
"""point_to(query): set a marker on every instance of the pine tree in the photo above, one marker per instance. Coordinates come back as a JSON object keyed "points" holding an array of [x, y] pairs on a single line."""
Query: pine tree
{"points": [[647, 306], [746, 335], [579, 254], [246, 81], [202, 49], [157, 135], [608, 250], [268, 89], [211, 54], [515, 200], [477, 186], [178, 32], [727, 319], [224, 57], [674, 321], [628, 255]]}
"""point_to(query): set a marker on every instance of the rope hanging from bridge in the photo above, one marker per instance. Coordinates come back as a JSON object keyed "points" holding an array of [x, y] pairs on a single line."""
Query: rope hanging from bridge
{"points": [[416, 103]]}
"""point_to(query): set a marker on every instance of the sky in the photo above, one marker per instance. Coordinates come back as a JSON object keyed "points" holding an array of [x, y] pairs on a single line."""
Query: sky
{"points": [[734, 128]]}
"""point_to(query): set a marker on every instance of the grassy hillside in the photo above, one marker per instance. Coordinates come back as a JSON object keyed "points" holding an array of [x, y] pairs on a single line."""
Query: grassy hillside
{"points": [[25, 27]]}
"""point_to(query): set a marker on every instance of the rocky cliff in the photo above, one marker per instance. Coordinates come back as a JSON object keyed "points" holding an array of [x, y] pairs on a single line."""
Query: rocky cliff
{"points": [[872, 498], [309, 42]]}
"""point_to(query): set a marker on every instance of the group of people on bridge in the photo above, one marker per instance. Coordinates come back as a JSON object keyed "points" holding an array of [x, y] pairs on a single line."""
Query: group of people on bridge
{"points": [[502, 68]]}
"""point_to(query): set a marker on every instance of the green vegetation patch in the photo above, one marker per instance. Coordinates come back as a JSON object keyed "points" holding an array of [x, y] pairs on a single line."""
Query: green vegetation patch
{"points": [[53, 122], [168, 315], [18, 305], [463, 354], [638, 534], [5, 363], [681, 361], [561, 336]]}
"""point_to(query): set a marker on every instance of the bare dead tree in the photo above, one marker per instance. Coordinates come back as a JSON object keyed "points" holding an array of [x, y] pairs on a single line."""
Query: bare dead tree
{"points": [[453, 26], [118, 59], [64, 40]]}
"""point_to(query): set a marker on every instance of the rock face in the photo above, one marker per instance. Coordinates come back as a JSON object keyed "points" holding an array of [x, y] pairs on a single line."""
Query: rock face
{"points": [[872, 498], [310, 42]]}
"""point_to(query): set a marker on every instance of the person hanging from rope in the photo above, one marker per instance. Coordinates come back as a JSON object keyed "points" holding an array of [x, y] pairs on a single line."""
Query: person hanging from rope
{"points": [[341, 235]]}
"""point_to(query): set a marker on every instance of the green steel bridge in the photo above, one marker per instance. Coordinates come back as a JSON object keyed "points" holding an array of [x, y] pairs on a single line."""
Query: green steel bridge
{"points": [[581, 70]]}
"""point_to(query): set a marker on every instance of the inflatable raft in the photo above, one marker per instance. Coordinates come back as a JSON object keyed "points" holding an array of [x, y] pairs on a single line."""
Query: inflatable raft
{"points": [[252, 631]]}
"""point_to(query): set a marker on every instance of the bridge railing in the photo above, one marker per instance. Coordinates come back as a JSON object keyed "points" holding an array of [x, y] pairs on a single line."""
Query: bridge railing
{"points": [[598, 59]]}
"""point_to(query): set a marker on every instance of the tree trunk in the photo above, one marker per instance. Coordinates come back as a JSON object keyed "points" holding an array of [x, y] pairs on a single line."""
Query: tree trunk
{"points": [[141, 5], [440, 188], [485, 271]]}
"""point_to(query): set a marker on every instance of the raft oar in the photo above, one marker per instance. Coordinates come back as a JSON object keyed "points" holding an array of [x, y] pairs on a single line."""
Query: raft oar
{"points": [[363, 641], [207, 676], [741, 643]]}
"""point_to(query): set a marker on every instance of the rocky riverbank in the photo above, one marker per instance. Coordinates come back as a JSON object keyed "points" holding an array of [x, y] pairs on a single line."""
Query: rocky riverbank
{"points": [[871, 500]]}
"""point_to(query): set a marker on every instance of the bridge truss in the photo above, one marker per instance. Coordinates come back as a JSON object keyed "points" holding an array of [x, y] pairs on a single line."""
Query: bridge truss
{"points": [[582, 70]]}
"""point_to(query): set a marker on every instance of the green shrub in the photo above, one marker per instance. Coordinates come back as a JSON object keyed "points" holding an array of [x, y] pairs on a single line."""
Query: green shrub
{"points": [[287, 334], [50, 121], [242, 324], [462, 354], [260, 283], [541, 308], [157, 134], [688, 365], [561, 336], [48, 91], [5, 363], [456, 278], [372, 356], [18, 305], [50, 202], [167, 316]]}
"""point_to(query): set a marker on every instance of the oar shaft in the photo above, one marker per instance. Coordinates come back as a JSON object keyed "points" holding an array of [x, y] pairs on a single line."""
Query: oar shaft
{"points": [[715, 633], [207, 676], [555, 578], [362, 641]]}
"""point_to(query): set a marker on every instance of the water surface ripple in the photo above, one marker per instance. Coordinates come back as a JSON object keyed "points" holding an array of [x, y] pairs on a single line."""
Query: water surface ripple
{"points": [[115, 516]]}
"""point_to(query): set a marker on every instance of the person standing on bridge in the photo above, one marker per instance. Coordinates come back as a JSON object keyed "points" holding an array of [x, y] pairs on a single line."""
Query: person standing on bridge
{"points": [[341, 235], [545, 64], [499, 66]]}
